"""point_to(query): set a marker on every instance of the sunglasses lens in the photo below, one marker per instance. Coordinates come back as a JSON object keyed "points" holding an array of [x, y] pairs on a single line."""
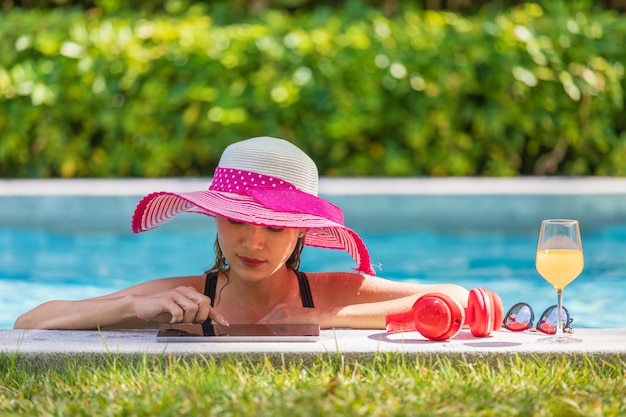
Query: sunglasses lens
{"points": [[549, 318], [519, 317]]}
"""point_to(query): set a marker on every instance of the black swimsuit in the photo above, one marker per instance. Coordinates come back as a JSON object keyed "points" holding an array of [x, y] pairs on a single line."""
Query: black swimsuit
{"points": [[210, 288]]}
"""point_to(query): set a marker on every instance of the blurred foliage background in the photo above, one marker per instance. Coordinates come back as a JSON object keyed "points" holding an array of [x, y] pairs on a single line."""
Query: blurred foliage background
{"points": [[111, 88]]}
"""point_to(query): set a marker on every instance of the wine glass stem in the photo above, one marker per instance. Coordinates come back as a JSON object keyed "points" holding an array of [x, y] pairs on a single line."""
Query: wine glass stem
{"points": [[559, 309]]}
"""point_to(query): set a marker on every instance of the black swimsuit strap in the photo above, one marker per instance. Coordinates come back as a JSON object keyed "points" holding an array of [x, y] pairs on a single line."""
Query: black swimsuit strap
{"points": [[210, 288], [305, 290]]}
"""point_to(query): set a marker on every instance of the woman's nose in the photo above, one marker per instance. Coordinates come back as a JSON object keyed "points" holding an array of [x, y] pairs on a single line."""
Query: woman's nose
{"points": [[253, 236]]}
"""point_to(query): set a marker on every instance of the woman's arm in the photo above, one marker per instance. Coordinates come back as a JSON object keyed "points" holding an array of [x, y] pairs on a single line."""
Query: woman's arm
{"points": [[171, 300], [368, 315], [341, 289], [359, 301]]}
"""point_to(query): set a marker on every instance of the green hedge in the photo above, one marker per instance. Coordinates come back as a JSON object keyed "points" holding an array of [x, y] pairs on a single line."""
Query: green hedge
{"points": [[532, 90]]}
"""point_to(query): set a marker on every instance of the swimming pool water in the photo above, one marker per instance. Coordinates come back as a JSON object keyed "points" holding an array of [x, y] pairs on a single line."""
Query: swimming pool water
{"points": [[36, 266]]}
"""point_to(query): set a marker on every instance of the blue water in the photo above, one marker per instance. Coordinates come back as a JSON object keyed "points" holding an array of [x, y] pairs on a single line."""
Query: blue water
{"points": [[36, 266]]}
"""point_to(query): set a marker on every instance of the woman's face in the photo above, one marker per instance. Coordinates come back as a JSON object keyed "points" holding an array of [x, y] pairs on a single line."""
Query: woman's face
{"points": [[255, 252]]}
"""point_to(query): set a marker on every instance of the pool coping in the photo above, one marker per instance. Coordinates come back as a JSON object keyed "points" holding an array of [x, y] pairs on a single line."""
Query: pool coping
{"points": [[55, 348]]}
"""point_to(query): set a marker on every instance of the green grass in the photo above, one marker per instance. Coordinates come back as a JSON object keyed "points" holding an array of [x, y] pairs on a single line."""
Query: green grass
{"points": [[324, 385]]}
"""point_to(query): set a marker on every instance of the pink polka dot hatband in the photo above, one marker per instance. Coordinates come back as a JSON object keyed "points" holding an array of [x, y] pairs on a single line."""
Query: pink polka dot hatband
{"points": [[263, 181]]}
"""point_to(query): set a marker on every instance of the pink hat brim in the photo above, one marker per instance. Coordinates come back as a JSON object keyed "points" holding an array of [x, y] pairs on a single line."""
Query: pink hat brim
{"points": [[157, 208]]}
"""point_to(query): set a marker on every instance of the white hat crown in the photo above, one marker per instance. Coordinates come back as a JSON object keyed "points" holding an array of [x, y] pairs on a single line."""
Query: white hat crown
{"points": [[273, 157]]}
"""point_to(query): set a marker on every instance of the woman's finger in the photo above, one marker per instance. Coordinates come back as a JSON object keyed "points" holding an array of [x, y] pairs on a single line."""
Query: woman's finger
{"points": [[204, 309], [187, 310], [218, 318]]}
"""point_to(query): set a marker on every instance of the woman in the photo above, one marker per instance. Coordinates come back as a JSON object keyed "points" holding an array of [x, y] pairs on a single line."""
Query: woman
{"points": [[264, 198]]}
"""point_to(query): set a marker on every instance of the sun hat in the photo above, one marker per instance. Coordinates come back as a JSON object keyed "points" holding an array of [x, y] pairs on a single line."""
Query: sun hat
{"points": [[267, 182]]}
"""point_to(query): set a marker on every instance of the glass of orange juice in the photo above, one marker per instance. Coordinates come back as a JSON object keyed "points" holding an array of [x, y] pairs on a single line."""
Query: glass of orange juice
{"points": [[559, 261]]}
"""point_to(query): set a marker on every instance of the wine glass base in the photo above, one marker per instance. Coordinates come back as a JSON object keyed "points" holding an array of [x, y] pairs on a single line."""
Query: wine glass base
{"points": [[559, 340]]}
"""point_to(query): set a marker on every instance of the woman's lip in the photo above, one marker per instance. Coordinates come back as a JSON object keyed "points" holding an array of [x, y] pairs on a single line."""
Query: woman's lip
{"points": [[251, 261]]}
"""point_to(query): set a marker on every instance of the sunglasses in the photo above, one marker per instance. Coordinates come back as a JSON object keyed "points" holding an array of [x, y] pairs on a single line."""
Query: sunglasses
{"points": [[520, 317]]}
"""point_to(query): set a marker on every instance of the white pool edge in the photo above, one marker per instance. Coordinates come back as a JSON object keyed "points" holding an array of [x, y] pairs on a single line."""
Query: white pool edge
{"points": [[331, 186]]}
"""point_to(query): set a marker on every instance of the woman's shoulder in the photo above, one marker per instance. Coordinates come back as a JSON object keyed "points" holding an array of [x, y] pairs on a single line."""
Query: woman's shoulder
{"points": [[334, 280], [351, 280], [333, 275], [344, 288]]}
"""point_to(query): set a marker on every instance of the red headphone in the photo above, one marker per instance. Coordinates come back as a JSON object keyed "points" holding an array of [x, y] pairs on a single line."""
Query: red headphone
{"points": [[438, 316]]}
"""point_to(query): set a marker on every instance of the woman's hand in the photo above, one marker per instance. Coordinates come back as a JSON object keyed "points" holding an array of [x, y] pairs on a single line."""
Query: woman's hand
{"points": [[179, 305]]}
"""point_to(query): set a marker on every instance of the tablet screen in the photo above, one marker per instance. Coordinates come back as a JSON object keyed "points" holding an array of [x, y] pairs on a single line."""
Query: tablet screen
{"points": [[208, 332]]}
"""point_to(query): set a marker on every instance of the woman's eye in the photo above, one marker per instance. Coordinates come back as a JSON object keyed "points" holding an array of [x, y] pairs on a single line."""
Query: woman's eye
{"points": [[275, 229], [234, 222]]}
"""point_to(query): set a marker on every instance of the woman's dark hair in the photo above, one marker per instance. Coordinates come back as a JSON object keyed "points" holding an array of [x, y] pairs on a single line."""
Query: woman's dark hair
{"points": [[221, 264]]}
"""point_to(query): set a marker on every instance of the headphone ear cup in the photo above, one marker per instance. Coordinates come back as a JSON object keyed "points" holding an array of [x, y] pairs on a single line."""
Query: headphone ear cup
{"points": [[485, 313], [438, 316], [479, 315], [498, 311]]}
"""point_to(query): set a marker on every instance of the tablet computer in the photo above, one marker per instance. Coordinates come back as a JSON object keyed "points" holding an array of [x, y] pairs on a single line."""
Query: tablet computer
{"points": [[209, 332]]}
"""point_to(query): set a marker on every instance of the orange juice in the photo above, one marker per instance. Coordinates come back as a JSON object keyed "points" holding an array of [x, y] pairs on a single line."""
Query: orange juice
{"points": [[560, 266]]}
